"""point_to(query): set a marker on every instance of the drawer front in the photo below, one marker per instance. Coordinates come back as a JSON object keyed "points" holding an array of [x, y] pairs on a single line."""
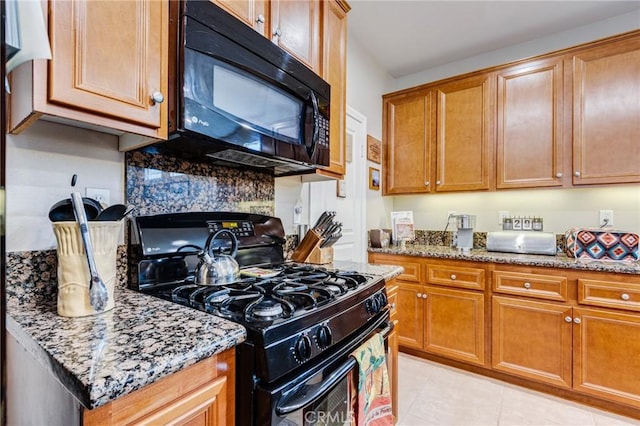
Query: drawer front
{"points": [[456, 276], [411, 266], [609, 294], [549, 287]]}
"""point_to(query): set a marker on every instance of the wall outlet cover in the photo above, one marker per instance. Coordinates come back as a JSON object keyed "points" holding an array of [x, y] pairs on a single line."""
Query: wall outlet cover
{"points": [[101, 195]]}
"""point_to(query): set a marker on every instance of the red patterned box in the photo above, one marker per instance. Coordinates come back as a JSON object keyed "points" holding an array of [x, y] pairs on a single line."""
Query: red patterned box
{"points": [[601, 244]]}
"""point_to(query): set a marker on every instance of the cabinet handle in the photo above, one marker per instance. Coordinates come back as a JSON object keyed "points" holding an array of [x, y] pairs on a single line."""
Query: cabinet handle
{"points": [[577, 320], [576, 174], [277, 33], [157, 98], [527, 285], [624, 296], [453, 276], [568, 319], [260, 19], [558, 175]]}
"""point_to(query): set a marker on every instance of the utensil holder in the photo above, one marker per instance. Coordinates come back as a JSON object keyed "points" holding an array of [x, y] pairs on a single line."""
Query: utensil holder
{"points": [[73, 268]]}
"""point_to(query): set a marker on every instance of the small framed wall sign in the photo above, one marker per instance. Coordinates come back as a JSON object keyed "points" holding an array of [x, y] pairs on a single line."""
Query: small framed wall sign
{"points": [[374, 178], [374, 149]]}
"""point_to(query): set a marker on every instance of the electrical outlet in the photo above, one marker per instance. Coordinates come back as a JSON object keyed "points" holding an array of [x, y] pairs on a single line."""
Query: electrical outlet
{"points": [[99, 194], [606, 218], [502, 214]]}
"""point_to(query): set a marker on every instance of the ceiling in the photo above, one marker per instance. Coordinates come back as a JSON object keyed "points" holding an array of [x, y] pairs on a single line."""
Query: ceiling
{"points": [[405, 37]]}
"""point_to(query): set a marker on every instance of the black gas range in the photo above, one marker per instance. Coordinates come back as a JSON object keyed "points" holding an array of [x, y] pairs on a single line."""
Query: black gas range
{"points": [[301, 319]]}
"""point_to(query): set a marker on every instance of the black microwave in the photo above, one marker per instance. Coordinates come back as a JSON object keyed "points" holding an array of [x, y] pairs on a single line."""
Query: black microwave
{"points": [[240, 100]]}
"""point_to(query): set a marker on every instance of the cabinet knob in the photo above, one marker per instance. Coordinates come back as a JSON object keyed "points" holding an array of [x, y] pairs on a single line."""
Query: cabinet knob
{"points": [[277, 33], [577, 320], [558, 175], [393, 306], [426, 183], [624, 296], [419, 295], [424, 296], [568, 319], [453, 276], [527, 285], [438, 182], [260, 19], [157, 98], [576, 174]]}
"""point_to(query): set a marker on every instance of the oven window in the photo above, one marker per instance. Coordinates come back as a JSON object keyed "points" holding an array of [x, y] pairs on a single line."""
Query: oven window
{"points": [[334, 409], [242, 97]]}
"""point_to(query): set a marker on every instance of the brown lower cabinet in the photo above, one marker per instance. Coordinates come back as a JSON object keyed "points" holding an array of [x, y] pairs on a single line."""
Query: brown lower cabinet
{"points": [[200, 395], [571, 333]]}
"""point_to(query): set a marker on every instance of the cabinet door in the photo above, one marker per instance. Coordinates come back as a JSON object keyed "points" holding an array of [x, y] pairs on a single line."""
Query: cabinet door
{"points": [[606, 362], [109, 58], [410, 315], [532, 339], [454, 324], [530, 125], [606, 114], [392, 364], [465, 121], [408, 134], [334, 72], [205, 406], [295, 28], [252, 12]]}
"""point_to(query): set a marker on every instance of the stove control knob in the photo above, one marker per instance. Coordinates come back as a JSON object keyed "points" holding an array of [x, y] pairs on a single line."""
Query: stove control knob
{"points": [[302, 348], [324, 337]]}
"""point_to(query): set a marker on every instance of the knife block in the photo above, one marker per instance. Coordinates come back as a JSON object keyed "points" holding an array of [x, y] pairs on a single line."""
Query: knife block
{"points": [[321, 255], [310, 241]]}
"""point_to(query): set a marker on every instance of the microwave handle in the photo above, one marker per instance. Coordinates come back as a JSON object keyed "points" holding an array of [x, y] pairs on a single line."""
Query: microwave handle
{"points": [[311, 150]]}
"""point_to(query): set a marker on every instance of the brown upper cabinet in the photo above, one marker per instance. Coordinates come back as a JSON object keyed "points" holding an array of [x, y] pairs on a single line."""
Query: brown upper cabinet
{"points": [[606, 113], [532, 123], [292, 25], [108, 68], [529, 125]]}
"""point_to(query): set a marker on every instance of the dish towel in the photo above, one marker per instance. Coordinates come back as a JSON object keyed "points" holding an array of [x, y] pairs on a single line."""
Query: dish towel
{"points": [[372, 406]]}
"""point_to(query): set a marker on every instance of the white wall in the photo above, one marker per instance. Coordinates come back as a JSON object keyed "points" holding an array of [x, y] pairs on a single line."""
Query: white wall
{"points": [[601, 29], [39, 165]]}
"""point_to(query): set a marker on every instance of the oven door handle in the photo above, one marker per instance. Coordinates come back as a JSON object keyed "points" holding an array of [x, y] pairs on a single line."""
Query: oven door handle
{"points": [[310, 393]]}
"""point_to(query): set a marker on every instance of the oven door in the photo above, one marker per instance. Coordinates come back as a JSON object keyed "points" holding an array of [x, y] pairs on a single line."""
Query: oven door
{"points": [[322, 395]]}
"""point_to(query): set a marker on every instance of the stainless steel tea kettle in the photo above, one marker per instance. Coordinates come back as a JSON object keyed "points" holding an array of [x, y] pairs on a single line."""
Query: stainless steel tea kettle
{"points": [[217, 269]]}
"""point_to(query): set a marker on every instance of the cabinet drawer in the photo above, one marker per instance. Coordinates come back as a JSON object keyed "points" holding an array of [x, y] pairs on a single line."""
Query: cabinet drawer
{"points": [[550, 287], [456, 276], [411, 266], [609, 294]]}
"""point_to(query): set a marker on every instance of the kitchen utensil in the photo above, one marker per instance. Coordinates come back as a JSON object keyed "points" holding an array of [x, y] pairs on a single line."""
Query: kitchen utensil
{"points": [[63, 210], [114, 212], [98, 294], [217, 269]]}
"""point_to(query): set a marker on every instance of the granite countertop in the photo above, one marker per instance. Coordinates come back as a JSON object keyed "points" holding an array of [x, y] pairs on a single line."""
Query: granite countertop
{"points": [[102, 357], [481, 255]]}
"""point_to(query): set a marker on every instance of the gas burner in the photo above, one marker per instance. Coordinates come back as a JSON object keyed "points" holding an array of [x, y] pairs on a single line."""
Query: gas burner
{"points": [[268, 308], [289, 287], [182, 293]]}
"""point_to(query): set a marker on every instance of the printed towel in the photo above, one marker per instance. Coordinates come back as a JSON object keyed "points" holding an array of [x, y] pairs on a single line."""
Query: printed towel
{"points": [[373, 403]]}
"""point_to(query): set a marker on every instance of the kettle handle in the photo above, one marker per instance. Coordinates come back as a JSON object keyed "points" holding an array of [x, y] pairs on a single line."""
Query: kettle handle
{"points": [[213, 236]]}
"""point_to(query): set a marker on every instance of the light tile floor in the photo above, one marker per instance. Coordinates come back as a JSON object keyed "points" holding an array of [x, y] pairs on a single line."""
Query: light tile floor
{"points": [[434, 394]]}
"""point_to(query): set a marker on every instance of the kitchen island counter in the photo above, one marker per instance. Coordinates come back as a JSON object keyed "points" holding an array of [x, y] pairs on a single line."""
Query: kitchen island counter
{"points": [[481, 255], [100, 358]]}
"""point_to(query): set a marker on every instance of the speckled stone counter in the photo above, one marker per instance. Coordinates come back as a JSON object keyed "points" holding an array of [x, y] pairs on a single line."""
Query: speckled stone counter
{"points": [[386, 271], [102, 357], [482, 255]]}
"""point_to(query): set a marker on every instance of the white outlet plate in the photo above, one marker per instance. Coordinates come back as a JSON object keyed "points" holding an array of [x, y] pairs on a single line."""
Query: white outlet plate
{"points": [[501, 215], [606, 218], [99, 194]]}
